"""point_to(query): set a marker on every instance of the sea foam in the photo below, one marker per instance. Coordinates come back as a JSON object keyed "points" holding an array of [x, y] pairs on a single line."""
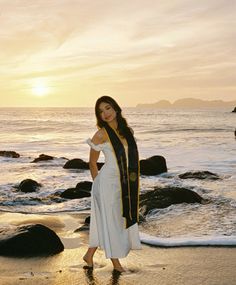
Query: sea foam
{"points": [[188, 241]]}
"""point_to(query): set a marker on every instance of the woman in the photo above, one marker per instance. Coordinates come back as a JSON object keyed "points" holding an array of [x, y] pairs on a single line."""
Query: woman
{"points": [[115, 191]]}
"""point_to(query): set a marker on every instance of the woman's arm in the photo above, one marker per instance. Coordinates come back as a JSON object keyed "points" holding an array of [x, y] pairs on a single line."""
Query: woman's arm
{"points": [[93, 158], [98, 138]]}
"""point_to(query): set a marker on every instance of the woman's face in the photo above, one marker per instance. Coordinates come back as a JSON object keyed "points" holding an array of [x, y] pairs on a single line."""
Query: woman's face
{"points": [[106, 112]]}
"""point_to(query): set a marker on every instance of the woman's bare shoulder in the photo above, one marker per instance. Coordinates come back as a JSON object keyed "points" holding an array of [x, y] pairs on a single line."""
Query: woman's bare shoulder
{"points": [[100, 136]]}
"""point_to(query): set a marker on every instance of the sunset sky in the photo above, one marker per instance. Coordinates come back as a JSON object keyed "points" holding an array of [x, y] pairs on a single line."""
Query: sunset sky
{"points": [[70, 52]]}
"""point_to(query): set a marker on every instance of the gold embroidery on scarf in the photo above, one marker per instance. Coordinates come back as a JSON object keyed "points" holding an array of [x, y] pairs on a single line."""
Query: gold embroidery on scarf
{"points": [[133, 176]]}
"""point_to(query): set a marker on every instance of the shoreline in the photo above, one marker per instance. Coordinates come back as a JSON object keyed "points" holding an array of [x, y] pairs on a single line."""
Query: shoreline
{"points": [[167, 266]]}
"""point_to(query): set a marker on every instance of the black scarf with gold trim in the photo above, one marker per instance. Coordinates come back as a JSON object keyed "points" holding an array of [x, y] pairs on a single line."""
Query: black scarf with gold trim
{"points": [[129, 174]]}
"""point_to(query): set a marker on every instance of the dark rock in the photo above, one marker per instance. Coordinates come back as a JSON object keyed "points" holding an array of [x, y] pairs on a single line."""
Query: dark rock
{"points": [[85, 226], [75, 193], [43, 157], [199, 175], [76, 163], [234, 110], [29, 241], [28, 185], [87, 220], [7, 153], [164, 197], [82, 189], [153, 165], [84, 185]]}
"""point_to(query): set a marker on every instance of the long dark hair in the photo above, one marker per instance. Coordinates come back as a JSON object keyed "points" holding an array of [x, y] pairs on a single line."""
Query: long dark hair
{"points": [[122, 125]]}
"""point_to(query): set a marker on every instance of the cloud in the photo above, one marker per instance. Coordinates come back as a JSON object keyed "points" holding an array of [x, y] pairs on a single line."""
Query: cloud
{"points": [[124, 45]]}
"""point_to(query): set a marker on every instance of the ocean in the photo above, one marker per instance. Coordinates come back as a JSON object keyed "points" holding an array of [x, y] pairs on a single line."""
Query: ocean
{"points": [[190, 140]]}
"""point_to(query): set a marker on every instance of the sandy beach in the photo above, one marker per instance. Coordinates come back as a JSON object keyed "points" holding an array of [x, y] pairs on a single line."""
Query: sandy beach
{"points": [[151, 265]]}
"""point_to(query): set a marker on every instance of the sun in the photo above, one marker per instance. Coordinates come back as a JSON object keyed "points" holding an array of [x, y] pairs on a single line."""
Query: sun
{"points": [[40, 89]]}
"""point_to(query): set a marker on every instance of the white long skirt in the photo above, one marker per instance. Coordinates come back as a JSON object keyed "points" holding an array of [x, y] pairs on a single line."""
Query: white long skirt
{"points": [[107, 226]]}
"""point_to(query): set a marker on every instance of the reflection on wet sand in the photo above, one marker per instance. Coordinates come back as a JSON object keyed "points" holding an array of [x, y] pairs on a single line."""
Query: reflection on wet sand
{"points": [[115, 277], [89, 277], [91, 280]]}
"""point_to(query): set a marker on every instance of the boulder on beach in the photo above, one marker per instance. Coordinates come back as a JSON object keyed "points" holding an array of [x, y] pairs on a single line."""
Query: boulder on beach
{"points": [[164, 197], [7, 153], [29, 185], [234, 110], [29, 241], [84, 185], [43, 157], [153, 165], [82, 189], [85, 226], [87, 220], [76, 163], [74, 193], [199, 175]]}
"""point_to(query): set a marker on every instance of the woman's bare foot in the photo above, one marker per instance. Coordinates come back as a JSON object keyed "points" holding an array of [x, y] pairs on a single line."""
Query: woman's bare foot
{"points": [[120, 269], [88, 257], [116, 265], [88, 260]]}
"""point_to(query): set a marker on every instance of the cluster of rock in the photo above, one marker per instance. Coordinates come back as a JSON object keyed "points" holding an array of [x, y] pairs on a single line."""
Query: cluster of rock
{"points": [[35, 240], [151, 166]]}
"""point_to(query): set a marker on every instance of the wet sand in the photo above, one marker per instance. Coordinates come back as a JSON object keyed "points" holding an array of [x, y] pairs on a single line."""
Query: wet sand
{"points": [[151, 265]]}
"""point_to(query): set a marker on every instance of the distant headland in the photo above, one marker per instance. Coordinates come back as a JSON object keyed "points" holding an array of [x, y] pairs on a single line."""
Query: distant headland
{"points": [[189, 103]]}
